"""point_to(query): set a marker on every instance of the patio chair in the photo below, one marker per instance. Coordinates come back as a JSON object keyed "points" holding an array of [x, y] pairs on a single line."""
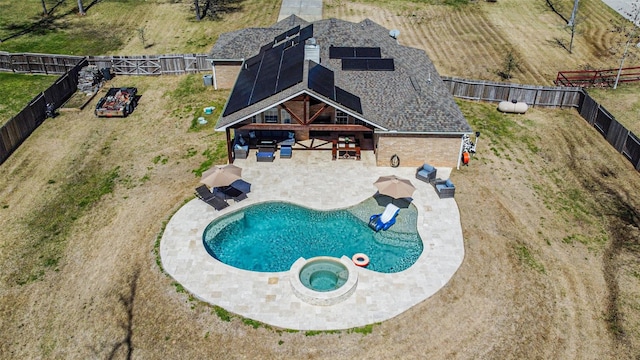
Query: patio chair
{"points": [[426, 173], [444, 188]]}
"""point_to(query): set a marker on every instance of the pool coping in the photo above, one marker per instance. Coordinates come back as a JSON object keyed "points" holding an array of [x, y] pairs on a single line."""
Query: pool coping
{"points": [[268, 297]]}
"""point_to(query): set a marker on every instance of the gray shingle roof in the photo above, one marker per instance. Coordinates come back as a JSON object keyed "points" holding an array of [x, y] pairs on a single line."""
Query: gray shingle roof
{"points": [[413, 98]]}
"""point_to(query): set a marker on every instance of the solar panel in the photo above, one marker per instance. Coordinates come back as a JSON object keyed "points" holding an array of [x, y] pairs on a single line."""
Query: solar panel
{"points": [[280, 37], [253, 60], [306, 33], [265, 85], [380, 65], [339, 52], [368, 52], [321, 80], [241, 95], [292, 67], [293, 31], [266, 47], [349, 100], [367, 64], [273, 70], [354, 64]]}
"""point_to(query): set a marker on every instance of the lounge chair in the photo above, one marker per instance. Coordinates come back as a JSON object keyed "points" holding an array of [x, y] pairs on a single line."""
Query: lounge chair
{"points": [[203, 193], [217, 203], [384, 221], [230, 192], [426, 173]]}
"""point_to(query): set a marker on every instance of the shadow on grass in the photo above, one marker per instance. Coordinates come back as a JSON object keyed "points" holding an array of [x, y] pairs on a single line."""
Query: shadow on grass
{"points": [[43, 25]]}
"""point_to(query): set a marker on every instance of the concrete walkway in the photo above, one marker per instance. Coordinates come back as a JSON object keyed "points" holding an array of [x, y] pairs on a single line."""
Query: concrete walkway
{"points": [[311, 179], [310, 10]]}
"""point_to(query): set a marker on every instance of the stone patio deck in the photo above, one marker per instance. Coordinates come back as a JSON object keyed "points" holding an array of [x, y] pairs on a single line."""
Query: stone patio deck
{"points": [[312, 179]]}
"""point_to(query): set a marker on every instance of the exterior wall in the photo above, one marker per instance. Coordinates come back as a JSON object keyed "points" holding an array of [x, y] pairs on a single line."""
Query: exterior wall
{"points": [[416, 150], [226, 75]]}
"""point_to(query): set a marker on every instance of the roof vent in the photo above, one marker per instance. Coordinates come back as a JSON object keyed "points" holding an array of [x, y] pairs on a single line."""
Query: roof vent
{"points": [[394, 33]]}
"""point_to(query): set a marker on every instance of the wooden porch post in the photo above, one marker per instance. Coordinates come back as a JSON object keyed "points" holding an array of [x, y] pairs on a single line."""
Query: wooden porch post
{"points": [[229, 146]]}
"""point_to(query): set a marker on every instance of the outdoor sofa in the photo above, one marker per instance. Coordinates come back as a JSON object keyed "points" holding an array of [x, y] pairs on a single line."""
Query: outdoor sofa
{"points": [[426, 173], [444, 188], [240, 147]]}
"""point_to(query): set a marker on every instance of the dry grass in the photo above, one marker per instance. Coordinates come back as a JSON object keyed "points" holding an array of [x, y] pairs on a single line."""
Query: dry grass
{"points": [[472, 41], [549, 213]]}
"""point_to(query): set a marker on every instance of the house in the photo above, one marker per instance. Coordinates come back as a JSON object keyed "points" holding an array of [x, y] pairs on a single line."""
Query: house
{"points": [[334, 80]]}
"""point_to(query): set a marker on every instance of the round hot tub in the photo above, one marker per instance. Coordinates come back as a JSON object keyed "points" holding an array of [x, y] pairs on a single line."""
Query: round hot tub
{"points": [[324, 275], [323, 280]]}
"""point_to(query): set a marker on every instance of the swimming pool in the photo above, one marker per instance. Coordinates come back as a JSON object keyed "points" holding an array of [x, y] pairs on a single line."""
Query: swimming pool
{"points": [[271, 236]]}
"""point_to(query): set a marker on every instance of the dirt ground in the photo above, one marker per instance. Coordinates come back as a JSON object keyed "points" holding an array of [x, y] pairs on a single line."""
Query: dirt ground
{"points": [[549, 213], [546, 274]]}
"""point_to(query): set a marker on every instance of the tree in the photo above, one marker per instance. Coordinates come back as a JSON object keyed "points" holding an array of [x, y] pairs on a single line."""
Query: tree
{"points": [[572, 23], [44, 9], [510, 64], [196, 3], [81, 8]]}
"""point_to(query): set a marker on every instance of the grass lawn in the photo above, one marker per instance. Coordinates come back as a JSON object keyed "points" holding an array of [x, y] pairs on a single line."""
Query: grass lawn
{"points": [[18, 89]]}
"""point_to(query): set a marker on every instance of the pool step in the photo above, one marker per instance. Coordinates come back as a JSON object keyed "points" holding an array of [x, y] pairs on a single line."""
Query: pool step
{"points": [[220, 224]]}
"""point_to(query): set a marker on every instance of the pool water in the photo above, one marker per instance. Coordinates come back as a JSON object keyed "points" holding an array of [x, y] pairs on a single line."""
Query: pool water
{"points": [[322, 275], [270, 237]]}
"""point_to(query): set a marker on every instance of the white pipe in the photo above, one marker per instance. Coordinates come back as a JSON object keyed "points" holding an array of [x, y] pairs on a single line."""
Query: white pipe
{"points": [[215, 81], [460, 154]]}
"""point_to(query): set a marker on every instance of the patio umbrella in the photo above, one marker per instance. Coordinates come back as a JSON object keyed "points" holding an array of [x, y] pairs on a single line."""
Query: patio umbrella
{"points": [[394, 186], [221, 175]]}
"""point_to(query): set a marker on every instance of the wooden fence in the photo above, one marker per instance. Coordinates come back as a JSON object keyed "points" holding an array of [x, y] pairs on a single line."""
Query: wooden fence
{"points": [[119, 65], [623, 140], [531, 94], [19, 127]]}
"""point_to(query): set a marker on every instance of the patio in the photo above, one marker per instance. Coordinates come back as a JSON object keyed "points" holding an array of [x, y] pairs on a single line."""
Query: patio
{"points": [[312, 180]]}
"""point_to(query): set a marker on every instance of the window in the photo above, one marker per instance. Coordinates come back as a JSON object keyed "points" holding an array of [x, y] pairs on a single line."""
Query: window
{"points": [[341, 118], [254, 119], [271, 116]]}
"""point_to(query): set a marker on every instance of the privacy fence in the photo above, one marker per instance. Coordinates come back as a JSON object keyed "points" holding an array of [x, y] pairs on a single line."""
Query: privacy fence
{"points": [[623, 140], [119, 65]]}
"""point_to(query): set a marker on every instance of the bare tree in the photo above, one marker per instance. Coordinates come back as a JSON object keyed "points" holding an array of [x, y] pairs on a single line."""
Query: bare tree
{"points": [[80, 8], [196, 3], [44, 9]]}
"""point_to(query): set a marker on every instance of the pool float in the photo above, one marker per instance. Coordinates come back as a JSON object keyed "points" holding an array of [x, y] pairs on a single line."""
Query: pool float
{"points": [[360, 259]]}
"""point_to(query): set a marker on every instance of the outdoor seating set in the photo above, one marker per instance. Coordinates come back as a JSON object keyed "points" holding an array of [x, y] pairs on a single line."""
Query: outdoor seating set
{"points": [[225, 184], [444, 188], [266, 142]]}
